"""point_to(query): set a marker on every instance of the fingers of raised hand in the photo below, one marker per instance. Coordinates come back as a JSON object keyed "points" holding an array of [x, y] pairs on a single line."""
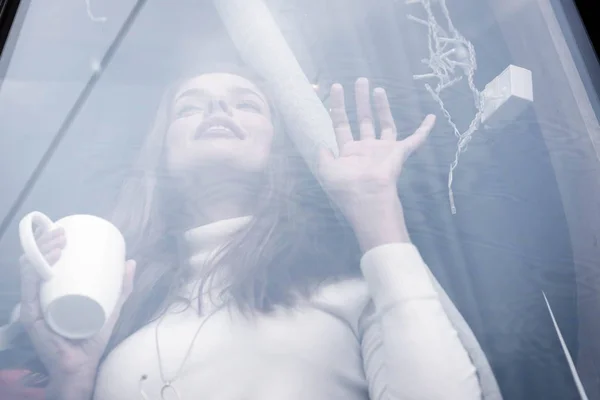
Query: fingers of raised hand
{"points": [[364, 113], [384, 113], [341, 125], [363, 109], [416, 140]]}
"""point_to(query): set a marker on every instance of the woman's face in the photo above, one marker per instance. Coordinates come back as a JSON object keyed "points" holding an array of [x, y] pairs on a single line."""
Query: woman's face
{"points": [[219, 120]]}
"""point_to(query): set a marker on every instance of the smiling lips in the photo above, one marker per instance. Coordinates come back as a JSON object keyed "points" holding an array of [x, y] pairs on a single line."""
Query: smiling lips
{"points": [[219, 127]]}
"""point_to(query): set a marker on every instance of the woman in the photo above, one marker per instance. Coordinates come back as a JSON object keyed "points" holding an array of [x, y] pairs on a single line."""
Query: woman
{"points": [[251, 284]]}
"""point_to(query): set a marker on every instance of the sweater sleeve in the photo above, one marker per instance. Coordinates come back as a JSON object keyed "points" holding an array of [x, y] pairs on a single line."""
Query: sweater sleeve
{"points": [[415, 344]]}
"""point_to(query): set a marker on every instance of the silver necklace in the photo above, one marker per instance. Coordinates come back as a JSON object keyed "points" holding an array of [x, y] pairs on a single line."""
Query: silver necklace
{"points": [[168, 391]]}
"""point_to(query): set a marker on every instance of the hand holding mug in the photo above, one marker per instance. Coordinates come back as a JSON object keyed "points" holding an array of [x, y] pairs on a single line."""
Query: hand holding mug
{"points": [[65, 357]]}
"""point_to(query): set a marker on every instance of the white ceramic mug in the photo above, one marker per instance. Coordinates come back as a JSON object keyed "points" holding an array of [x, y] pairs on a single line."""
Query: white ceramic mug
{"points": [[80, 291]]}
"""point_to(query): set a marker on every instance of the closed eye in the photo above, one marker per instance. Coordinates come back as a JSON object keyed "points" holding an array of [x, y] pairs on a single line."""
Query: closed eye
{"points": [[187, 111], [248, 105]]}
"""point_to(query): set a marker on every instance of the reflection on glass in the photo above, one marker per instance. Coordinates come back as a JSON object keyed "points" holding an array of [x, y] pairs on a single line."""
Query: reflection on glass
{"points": [[293, 230]]}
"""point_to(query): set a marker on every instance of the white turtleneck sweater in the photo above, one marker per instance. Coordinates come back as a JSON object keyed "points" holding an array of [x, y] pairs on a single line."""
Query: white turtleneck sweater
{"points": [[392, 335]]}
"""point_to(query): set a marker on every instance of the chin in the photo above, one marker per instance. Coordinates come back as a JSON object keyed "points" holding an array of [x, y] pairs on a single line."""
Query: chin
{"points": [[215, 159]]}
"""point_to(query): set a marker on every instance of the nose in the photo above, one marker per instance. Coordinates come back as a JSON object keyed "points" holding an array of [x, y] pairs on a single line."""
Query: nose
{"points": [[217, 105]]}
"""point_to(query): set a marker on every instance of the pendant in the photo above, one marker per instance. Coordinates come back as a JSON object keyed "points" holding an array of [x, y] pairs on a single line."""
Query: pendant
{"points": [[168, 392]]}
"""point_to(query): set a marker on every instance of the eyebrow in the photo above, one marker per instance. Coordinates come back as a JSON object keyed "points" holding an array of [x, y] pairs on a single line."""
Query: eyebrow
{"points": [[192, 93], [195, 92], [244, 90]]}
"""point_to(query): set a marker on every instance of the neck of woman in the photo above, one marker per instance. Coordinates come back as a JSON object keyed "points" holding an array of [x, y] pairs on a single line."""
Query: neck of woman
{"points": [[219, 197]]}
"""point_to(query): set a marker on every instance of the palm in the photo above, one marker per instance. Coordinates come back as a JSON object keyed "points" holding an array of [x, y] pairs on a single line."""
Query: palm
{"points": [[371, 165]]}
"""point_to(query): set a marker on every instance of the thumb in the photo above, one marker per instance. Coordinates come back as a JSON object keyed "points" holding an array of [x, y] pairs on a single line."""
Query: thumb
{"points": [[325, 157], [126, 290], [416, 140]]}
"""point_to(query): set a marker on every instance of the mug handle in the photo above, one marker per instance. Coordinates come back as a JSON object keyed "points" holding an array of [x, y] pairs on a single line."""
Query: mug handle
{"points": [[30, 248]]}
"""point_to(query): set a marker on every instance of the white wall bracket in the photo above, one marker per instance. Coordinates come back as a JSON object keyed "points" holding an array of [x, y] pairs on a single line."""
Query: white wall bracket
{"points": [[507, 95]]}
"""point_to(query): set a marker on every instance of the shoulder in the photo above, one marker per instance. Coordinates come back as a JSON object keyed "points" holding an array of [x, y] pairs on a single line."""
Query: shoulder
{"points": [[346, 300], [381, 280]]}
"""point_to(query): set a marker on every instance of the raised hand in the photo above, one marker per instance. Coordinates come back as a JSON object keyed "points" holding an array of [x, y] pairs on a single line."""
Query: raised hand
{"points": [[367, 169]]}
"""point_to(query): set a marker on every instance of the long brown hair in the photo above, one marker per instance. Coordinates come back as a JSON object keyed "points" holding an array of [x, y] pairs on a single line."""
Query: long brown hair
{"points": [[295, 241]]}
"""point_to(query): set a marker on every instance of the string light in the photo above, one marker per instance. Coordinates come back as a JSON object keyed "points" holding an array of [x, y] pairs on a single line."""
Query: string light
{"points": [[451, 58]]}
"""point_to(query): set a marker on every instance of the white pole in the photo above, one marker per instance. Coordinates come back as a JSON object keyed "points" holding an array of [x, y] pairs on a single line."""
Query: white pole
{"points": [[262, 46], [576, 378]]}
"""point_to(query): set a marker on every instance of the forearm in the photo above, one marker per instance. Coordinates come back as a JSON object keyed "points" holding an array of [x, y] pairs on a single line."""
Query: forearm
{"points": [[423, 354], [413, 307]]}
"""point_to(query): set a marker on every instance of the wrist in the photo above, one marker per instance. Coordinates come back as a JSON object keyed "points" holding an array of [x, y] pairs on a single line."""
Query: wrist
{"points": [[369, 208], [77, 386], [379, 222]]}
